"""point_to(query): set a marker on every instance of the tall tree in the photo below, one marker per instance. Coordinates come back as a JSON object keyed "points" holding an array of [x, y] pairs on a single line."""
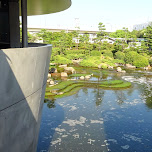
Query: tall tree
{"points": [[148, 36], [101, 34]]}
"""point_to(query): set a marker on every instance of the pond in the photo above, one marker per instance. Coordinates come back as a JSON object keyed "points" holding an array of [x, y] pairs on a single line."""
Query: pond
{"points": [[96, 119]]}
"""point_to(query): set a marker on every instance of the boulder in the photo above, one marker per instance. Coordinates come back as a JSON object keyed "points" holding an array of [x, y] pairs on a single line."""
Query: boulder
{"points": [[76, 61], [63, 66], [149, 67], [53, 70], [82, 78], [130, 66], [48, 80], [49, 75], [110, 67], [55, 91], [87, 76], [60, 93], [123, 71], [70, 69], [52, 82], [119, 69], [99, 66], [145, 68], [64, 74], [56, 74], [52, 63]]}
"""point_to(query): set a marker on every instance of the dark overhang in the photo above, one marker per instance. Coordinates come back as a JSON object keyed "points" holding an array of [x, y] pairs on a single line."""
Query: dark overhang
{"points": [[39, 7]]}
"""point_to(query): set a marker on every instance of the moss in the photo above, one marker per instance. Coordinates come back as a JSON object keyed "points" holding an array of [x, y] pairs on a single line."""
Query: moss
{"points": [[118, 86], [71, 87], [78, 75], [112, 82]]}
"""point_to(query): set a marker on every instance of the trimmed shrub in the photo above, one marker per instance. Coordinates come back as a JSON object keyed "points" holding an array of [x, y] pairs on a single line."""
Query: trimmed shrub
{"points": [[141, 61], [90, 62], [95, 53], [107, 53], [118, 61], [120, 55], [62, 60], [130, 57]]}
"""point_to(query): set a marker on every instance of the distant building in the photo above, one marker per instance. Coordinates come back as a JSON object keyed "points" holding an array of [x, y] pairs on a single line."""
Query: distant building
{"points": [[140, 26], [92, 34]]}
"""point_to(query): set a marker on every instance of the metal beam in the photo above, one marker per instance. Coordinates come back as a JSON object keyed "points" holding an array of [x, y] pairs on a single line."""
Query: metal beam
{"points": [[14, 24], [24, 23]]}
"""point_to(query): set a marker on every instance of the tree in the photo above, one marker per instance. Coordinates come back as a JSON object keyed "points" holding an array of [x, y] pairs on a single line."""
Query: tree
{"points": [[148, 36], [84, 41], [45, 35], [101, 34]]}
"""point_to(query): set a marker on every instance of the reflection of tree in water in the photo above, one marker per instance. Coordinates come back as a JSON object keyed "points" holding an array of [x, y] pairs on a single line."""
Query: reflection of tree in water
{"points": [[104, 74], [50, 103], [85, 90], [120, 96], [147, 95], [99, 93]]}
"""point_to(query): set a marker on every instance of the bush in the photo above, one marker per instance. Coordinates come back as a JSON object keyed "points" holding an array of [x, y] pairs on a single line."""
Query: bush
{"points": [[95, 53], [75, 56], [118, 61], [75, 51], [107, 53], [120, 55], [90, 62], [62, 60], [141, 61], [55, 52], [130, 57], [150, 62]]}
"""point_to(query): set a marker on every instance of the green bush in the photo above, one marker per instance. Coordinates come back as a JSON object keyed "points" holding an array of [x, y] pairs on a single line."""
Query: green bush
{"points": [[141, 61], [90, 62], [104, 66], [150, 62], [107, 53], [130, 57], [75, 51], [75, 56], [120, 55], [62, 60], [108, 62], [95, 53], [55, 52], [118, 61]]}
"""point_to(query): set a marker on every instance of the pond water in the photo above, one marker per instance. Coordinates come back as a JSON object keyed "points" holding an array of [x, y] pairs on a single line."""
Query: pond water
{"points": [[100, 120]]}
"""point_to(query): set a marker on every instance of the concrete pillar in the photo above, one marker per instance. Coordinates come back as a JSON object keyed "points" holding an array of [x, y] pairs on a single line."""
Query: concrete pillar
{"points": [[14, 24], [24, 23]]}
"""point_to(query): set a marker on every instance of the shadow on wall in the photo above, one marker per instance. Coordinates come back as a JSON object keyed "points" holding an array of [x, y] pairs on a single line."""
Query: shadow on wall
{"points": [[21, 97]]}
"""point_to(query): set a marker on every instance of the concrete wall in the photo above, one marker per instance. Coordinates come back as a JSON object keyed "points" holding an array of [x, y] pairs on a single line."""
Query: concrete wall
{"points": [[23, 75]]}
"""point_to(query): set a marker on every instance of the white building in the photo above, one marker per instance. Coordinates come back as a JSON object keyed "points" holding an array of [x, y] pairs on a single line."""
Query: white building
{"points": [[140, 26]]}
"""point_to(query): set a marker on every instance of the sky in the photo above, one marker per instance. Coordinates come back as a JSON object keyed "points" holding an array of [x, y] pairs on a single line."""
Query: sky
{"points": [[86, 14]]}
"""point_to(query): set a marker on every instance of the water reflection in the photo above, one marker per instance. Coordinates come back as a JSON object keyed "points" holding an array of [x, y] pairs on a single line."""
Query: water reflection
{"points": [[50, 103], [100, 120]]}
